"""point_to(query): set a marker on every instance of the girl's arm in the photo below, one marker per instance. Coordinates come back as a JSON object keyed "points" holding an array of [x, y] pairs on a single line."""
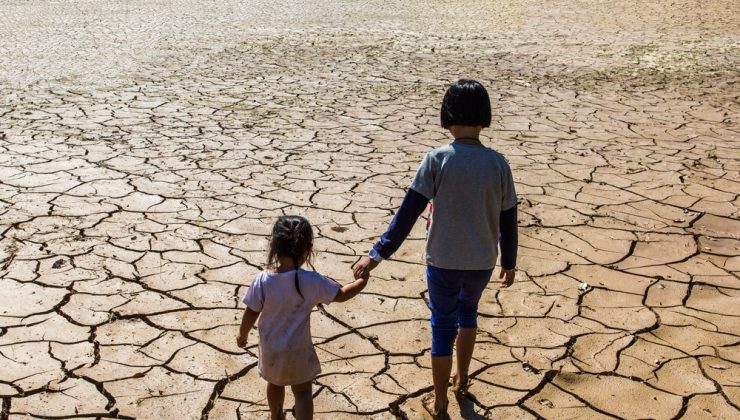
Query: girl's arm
{"points": [[509, 242], [350, 290], [412, 206], [249, 318]]}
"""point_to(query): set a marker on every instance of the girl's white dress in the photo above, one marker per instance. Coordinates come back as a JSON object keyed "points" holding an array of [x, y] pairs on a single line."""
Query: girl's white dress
{"points": [[287, 356]]}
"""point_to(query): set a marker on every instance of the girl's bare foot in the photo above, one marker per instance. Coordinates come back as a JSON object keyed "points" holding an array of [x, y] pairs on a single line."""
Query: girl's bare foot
{"points": [[459, 386], [431, 406]]}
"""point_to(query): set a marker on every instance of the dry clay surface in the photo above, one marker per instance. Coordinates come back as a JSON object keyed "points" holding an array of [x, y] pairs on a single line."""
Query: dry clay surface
{"points": [[146, 147]]}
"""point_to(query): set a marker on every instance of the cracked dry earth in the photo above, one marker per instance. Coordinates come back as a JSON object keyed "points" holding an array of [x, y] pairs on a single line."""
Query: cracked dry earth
{"points": [[146, 148]]}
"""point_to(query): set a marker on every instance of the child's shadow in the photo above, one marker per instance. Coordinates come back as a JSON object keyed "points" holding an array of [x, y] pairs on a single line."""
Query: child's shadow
{"points": [[467, 408]]}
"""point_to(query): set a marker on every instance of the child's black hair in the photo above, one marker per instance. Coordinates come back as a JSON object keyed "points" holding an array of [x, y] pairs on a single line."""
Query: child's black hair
{"points": [[466, 102], [291, 237]]}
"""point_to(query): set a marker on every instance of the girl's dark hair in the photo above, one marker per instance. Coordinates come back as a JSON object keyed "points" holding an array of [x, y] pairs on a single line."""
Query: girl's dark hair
{"points": [[466, 102], [291, 237]]}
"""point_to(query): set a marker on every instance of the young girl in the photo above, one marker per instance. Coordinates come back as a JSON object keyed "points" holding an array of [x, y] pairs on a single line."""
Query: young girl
{"points": [[472, 190], [283, 297]]}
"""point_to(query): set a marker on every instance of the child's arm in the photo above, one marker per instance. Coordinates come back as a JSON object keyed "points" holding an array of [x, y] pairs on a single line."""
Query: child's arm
{"points": [[249, 318], [509, 242], [412, 206], [350, 290]]}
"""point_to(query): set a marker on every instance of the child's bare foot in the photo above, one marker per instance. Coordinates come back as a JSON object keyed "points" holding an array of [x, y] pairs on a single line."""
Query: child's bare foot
{"points": [[437, 411], [459, 386], [279, 416]]}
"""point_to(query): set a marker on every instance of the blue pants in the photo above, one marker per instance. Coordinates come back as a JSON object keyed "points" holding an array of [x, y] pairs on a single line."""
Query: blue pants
{"points": [[453, 299]]}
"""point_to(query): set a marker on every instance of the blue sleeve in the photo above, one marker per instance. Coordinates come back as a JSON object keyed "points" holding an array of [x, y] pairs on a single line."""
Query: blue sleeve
{"points": [[508, 237], [411, 208]]}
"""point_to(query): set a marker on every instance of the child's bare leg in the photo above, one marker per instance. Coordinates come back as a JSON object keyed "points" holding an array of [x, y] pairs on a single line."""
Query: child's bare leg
{"points": [[465, 344], [441, 368], [303, 401], [275, 399]]}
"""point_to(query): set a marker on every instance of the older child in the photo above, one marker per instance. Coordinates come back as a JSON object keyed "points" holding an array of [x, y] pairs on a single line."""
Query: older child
{"points": [[474, 204], [283, 297]]}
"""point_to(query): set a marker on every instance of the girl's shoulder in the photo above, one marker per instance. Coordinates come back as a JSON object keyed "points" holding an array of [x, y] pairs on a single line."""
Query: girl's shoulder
{"points": [[318, 287], [311, 275], [270, 277], [267, 276], [317, 279]]}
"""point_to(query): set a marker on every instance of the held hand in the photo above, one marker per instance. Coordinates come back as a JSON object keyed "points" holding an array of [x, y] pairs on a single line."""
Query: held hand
{"points": [[363, 267], [241, 341], [508, 276]]}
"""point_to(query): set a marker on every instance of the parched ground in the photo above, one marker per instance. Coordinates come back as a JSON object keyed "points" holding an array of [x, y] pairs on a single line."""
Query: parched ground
{"points": [[147, 146]]}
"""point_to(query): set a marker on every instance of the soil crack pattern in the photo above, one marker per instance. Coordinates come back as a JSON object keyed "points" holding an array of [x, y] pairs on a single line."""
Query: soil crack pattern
{"points": [[146, 148]]}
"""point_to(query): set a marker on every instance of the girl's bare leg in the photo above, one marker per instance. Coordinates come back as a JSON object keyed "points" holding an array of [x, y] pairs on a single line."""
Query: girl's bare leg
{"points": [[303, 401], [441, 368], [275, 399], [465, 344]]}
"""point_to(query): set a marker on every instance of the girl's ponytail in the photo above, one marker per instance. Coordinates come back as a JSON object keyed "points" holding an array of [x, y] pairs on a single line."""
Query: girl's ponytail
{"points": [[297, 285]]}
